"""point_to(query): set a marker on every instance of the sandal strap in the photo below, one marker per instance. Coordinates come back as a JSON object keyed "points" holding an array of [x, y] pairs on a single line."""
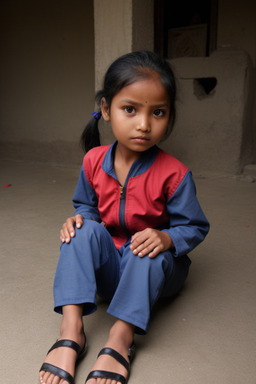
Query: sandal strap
{"points": [[131, 352], [66, 343], [57, 372], [106, 375], [116, 355], [112, 375]]}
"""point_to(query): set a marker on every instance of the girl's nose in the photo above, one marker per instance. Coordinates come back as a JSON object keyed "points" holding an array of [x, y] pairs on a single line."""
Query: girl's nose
{"points": [[143, 124]]}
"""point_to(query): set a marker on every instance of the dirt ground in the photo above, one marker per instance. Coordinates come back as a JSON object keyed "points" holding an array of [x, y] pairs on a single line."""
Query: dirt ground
{"points": [[207, 335]]}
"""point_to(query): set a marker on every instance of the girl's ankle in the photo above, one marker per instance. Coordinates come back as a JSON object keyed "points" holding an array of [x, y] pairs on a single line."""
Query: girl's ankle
{"points": [[71, 329], [122, 331]]}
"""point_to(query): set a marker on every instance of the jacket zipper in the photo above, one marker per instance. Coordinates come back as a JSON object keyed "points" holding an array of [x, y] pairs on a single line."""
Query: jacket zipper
{"points": [[121, 192], [122, 210]]}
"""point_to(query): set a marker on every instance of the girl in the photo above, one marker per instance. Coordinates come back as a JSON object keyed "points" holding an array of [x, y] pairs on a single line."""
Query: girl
{"points": [[137, 217]]}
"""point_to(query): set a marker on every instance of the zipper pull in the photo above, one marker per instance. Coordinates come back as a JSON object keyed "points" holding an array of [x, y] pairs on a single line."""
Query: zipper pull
{"points": [[121, 192]]}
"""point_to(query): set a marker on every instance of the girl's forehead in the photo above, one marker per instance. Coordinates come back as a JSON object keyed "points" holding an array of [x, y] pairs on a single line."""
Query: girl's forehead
{"points": [[150, 90]]}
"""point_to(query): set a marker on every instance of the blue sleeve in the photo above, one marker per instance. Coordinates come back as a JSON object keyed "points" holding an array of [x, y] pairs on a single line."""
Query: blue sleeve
{"points": [[188, 224], [85, 200]]}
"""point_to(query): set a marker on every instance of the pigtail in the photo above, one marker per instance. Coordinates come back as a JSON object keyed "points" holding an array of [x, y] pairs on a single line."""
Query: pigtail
{"points": [[90, 137]]}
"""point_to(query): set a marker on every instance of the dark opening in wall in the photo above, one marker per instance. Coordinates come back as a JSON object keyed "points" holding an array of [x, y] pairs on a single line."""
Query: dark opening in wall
{"points": [[204, 86], [185, 28]]}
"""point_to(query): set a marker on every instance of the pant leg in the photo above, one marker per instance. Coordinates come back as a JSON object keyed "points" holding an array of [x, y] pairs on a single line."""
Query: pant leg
{"points": [[175, 281], [142, 282], [90, 259]]}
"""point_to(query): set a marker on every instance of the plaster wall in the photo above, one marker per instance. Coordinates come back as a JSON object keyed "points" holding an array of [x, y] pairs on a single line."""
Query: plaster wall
{"points": [[47, 76], [236, 26], [143, 25], [113, 33], [121, 27], [214, 133], [237, 29], [48, 84], [132, 30], [210, 128]]}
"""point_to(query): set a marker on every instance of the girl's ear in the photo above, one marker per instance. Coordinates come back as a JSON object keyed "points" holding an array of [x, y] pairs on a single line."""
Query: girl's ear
{"points": [[105, 110]]}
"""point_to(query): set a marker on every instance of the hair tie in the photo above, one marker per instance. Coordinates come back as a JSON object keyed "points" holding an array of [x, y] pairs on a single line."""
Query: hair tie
{"points": [[96, 115]]}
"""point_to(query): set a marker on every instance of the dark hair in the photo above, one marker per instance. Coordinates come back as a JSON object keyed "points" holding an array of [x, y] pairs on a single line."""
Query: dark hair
{"points": [[126, 70]]}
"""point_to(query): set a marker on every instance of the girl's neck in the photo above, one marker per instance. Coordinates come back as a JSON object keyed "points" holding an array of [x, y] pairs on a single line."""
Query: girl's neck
{"points": [[123, 161], [125, 156]]}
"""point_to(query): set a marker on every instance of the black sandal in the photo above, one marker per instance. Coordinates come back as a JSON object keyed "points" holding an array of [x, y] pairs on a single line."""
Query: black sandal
{"points": [[112, 375], [58, 371]]}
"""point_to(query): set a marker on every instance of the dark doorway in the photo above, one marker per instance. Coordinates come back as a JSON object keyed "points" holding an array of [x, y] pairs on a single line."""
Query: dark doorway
{"points": [[185, 28]]}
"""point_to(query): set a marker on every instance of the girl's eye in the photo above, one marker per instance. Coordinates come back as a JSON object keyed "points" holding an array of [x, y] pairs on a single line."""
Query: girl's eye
{"points": [[159, 112], [129, 109]]}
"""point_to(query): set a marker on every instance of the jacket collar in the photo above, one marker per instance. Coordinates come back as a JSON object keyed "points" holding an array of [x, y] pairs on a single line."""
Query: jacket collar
{"points": [[141, 165]]}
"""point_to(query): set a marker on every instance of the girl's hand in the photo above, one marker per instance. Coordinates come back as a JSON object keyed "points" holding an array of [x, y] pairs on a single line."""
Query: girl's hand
{"points": [[68, 228], [150, 241]]}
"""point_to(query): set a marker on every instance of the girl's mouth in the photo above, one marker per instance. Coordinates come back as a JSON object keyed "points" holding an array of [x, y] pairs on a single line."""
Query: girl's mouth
{"points": [[140, 139]]}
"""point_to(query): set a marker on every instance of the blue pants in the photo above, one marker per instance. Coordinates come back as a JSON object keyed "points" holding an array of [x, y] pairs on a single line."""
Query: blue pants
{"points": [[91, 264]]}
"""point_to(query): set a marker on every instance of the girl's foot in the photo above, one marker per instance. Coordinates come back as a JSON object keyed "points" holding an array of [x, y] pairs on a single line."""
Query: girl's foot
{"points": [[120, 339], [64, 357]]}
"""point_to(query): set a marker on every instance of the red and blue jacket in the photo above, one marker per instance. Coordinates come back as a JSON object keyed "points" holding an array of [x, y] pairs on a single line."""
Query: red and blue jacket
{"points": [[159, 193]]}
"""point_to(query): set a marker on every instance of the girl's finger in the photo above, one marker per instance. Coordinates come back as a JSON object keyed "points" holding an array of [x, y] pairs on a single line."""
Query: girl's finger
{"points": [[154, 252], [66, 232], [138, 239], [139, 247], [79, 221], [70, 222], [65, 236], [146, 248], [62, 237], [70, 231]]}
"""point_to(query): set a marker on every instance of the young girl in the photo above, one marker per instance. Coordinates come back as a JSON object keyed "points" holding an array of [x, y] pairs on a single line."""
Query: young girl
{"points": [[137, 217]]}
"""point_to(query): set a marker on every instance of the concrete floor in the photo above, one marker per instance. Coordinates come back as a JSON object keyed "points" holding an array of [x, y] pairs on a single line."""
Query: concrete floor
{"points": [[205, 336]]}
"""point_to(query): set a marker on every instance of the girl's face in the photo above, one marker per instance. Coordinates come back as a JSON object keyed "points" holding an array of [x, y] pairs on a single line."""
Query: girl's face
{"points": [[139, 115]]}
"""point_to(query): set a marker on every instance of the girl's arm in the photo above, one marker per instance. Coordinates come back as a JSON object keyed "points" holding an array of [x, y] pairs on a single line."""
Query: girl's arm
{"points": [[85, 200], [86, 203], [188, 225]]}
